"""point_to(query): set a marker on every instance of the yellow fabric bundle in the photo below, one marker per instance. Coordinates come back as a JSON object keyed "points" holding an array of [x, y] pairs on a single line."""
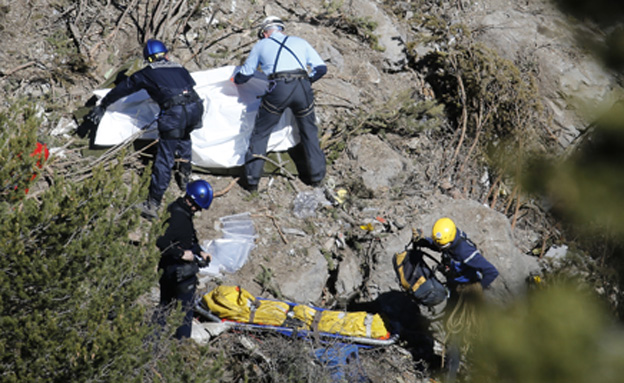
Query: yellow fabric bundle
{"points": [[234, 303], [237, 304], [359, 323]]}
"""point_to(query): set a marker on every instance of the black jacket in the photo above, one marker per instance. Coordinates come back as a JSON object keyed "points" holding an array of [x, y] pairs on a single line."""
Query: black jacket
{"points": [[179, 236]]}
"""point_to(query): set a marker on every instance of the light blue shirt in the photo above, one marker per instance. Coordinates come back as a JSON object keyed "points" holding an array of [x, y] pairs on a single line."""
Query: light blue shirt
{"points": [[264, 52]]}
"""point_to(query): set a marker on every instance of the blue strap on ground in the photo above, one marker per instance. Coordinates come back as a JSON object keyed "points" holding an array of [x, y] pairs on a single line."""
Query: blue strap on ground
{"points": [[343, 362]]}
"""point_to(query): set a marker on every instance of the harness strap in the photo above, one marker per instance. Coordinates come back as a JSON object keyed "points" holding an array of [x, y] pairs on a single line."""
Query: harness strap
{"points": [[279, 51], [184, 98], [252, 313], [317, 319], [368, 322]]}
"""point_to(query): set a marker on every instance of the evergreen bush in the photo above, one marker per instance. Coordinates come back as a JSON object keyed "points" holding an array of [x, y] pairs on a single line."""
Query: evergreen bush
{"points": [[71, 281]]}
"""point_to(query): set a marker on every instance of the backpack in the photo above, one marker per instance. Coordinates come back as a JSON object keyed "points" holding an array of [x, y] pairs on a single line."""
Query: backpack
{"points": [[417, 278]]}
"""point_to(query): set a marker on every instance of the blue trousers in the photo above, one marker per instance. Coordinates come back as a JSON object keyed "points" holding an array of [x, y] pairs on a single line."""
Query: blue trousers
{"points": [[163, 164], [297, 95], [174, 126]]}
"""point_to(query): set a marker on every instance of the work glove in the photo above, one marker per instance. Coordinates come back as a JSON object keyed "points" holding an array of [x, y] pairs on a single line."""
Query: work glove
{"points": [[417, 234], [201, 262], [96, 114]]}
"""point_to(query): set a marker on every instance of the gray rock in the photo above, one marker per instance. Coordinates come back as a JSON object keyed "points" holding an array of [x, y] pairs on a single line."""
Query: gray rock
{"points": [[574, 85], [304, 283], [331, 56], [349, 276], [378, 164], [389, 36], [383, 277]]}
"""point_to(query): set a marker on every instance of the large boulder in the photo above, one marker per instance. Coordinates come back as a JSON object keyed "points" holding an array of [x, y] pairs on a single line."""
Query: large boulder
{"points": [[389, 37], [349, 277], [377, 164], [567, 76], [304, 283]]}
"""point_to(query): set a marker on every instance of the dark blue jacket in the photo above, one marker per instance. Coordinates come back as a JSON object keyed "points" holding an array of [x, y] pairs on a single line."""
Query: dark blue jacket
{"points": [[164, 81], [465, 259]]}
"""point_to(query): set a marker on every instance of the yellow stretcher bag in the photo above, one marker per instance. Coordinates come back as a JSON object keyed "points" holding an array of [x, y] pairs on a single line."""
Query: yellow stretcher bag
{"points": [[359, 323], [237, 304]]}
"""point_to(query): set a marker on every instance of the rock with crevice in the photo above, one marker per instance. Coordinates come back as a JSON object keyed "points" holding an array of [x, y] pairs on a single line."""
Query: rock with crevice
{"points": [[349, 277]]}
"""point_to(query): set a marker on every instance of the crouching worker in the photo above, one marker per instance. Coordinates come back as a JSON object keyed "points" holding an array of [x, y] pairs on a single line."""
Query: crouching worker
{"points": [[463, 263], [467, 274], [181, 255]]}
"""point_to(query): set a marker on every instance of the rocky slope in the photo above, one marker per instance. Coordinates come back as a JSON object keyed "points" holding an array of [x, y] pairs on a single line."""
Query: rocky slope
{"points": [[57, 53]]}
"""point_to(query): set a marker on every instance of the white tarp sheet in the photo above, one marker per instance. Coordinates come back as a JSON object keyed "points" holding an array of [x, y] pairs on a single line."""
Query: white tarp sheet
{"points": [[228, 120]]}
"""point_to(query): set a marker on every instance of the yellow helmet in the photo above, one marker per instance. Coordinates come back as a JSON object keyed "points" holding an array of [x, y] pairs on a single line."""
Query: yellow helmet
{"points": [[444, 231]]}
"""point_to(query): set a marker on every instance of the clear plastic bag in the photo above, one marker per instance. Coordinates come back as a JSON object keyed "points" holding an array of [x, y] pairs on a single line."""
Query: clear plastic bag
{"points": [[228, 255]]}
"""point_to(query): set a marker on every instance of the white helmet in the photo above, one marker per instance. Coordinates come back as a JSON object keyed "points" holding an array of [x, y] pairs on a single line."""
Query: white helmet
{"points": [[270, 22]]}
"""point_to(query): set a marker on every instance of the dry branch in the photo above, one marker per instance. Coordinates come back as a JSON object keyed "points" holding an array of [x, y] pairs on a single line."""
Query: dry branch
{"points": [[18, 68], [464, 124], [279, 230], [227, 188], [114, 32], [280, 166]]}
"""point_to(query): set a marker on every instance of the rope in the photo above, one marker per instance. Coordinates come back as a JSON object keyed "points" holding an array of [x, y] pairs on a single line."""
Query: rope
{"points": [[464, 318]]}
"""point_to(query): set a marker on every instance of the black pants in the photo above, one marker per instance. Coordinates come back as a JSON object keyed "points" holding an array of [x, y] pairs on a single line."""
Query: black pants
{"points": [[184, 292], [175, 126], [297, 95]]}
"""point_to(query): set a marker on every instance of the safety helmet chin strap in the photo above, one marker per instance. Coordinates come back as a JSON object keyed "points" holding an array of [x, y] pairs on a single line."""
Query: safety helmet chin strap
{"points": [[157, 57]]}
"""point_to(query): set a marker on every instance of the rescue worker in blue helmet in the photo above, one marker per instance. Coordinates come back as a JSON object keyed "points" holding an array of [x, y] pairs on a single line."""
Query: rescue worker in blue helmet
{"points": [[181, 255], [463, 260], [285, 60], [171, 86]]}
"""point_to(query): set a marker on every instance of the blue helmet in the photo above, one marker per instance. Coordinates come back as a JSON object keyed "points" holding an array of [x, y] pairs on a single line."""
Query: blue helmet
{"points": [[154, 50], [200, 192]]}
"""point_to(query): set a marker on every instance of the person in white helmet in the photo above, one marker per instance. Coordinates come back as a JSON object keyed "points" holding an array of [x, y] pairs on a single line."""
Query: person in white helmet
{"points": [[284, 59]]}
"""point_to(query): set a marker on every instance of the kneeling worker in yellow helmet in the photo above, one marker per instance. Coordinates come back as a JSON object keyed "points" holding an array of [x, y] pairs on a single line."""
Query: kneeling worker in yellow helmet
{"points": [[464, 260], [467, 274]]}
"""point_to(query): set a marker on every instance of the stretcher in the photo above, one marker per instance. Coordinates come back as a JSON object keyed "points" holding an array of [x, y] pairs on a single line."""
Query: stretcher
{"points": [[237, 308]]}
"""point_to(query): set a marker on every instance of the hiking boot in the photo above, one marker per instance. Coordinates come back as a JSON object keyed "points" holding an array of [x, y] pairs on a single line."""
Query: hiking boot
{"points": [[247, 186], [251, 188], [149, 209]]}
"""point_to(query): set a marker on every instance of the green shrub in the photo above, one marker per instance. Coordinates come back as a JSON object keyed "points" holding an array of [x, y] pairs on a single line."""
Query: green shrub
{"points": [[558, 334], [71, 281], [494, 103]]}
